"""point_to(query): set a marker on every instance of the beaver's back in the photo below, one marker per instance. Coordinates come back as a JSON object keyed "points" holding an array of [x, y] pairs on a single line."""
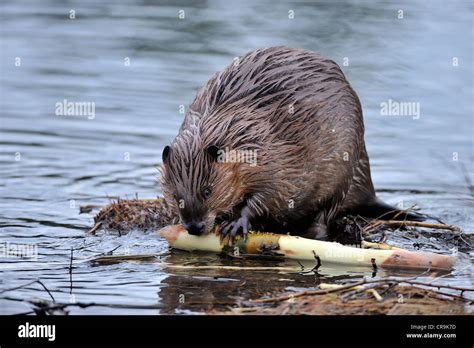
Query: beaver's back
{"points": [[277, 86]]}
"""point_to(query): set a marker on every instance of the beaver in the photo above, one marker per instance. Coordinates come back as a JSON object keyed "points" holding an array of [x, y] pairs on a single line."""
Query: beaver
{"points": [[294, 110]]}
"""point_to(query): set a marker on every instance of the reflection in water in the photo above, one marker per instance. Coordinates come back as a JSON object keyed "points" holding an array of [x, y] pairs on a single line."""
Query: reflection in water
{"points": [[189, 290], [138, 62]]}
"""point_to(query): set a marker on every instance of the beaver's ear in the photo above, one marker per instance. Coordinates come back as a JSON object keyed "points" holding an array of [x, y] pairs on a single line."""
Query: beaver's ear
{"points": [[213, 151], [166, 153]]}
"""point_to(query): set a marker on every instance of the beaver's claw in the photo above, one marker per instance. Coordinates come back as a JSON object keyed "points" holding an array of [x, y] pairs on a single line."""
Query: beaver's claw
{"points": [[232, 228]]}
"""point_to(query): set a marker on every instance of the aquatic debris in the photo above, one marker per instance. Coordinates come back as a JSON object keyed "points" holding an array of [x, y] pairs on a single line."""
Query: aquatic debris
{"points": [[365, 284], [384, 297], [129, 214], [403, 223], [233, 268], [111, 259]]}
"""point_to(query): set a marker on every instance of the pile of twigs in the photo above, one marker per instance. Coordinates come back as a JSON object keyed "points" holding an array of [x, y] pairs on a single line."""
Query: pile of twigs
{"points": [[390, 295], [123, 216]]}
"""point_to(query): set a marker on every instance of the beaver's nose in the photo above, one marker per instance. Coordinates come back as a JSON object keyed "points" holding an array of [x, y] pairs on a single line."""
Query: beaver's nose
{"points": [[194, 228]]}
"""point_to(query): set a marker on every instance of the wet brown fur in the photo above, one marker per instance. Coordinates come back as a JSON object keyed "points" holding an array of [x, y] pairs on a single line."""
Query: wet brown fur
{"points": [[298, 111]]}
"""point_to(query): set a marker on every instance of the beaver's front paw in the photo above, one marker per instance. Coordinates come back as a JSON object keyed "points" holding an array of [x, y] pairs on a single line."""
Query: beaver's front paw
{"points": [[239, 226]]}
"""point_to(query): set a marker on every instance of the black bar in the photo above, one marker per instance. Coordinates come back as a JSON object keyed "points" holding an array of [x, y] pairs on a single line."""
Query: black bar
{"points": [[219, 330]]}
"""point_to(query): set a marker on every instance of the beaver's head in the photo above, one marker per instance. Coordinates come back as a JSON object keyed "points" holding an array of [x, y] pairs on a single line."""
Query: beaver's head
{"points": [[201, 188]]}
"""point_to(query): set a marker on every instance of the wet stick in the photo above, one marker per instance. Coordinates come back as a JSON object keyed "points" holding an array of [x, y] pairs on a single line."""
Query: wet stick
{"points": [[401, 223], [233, 268], [298, 248]]}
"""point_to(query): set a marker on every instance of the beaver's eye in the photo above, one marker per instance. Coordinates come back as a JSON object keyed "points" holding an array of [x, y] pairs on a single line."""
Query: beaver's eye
{"points": [[206, 192]]}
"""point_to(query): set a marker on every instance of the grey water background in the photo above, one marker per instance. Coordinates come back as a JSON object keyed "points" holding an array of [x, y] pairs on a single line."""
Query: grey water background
{"points": [[52, 164]]}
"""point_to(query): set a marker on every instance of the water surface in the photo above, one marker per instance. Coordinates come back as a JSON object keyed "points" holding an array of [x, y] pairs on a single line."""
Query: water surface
{"points": [[53, 164]]}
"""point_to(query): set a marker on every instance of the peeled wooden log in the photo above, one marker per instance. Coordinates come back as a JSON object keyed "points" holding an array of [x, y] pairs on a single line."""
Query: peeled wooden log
{"points": [[299, 248]]}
